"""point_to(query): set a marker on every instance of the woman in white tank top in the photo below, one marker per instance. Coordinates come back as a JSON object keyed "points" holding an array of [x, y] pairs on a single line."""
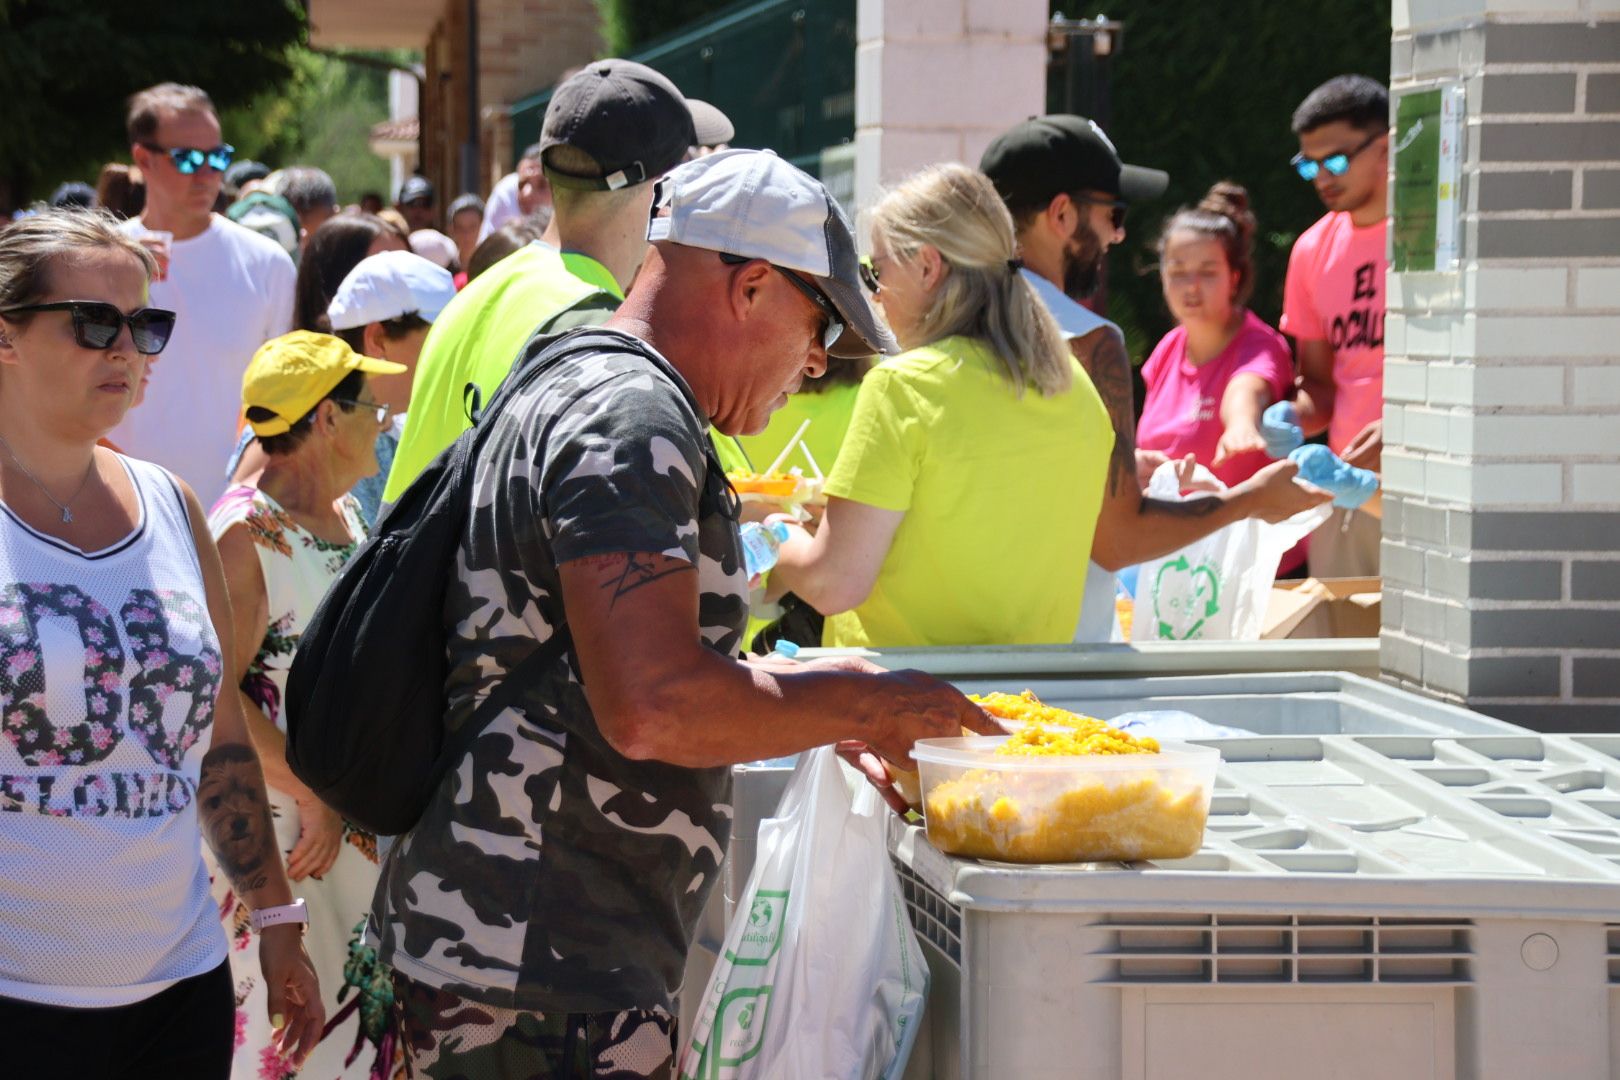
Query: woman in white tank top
{"points": [[124, 746]]}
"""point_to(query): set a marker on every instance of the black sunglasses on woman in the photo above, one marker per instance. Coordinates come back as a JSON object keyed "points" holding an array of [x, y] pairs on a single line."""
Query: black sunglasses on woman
{"points": [[96, 324]]}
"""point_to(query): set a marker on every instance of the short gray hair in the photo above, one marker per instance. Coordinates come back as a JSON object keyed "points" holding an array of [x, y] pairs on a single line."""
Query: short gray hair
{"points": [[306, 187]]}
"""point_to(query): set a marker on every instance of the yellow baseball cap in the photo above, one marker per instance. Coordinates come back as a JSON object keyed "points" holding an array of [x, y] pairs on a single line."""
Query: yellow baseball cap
{"points": [[289, 375]]}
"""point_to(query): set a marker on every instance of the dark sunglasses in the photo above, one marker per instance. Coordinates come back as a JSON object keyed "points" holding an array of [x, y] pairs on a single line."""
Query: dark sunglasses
{"points": [[835, 321], [1117, 208], [1336, 164], [96, 324], [188, 160]]}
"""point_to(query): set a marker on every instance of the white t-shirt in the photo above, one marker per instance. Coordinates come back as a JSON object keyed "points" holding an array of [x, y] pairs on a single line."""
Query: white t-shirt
{"points": [[232, 291], [1098, 620], [501, 207]]}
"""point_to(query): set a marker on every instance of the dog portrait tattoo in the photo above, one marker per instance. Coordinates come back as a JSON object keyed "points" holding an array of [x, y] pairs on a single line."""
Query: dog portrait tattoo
{"points": [[235, 814]]}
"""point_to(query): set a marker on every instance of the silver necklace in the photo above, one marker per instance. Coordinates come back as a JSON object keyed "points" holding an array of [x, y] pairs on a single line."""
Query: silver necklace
{"points": [[67, 515]]}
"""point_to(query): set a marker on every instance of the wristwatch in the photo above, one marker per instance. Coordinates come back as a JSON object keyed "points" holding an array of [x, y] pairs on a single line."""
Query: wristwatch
{"points": [[294, 912]]}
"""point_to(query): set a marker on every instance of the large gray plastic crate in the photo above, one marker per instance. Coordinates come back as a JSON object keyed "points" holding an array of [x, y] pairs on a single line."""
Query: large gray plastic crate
{"points": [[1269, 703], [1145, 659], [1376, 905], [1286, 703]]}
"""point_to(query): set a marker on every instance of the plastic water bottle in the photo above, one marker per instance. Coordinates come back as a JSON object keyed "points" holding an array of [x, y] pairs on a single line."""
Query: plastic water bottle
{"points": [[760, 543]]}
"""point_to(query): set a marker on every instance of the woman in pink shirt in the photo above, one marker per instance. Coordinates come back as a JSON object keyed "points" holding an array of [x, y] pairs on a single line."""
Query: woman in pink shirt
{"points": [[1211, 377]]}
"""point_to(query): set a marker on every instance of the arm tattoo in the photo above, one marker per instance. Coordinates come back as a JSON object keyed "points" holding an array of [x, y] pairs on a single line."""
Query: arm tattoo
{"points": [[1191, 508], [235, 815], [1110, 370], [635, 569]]}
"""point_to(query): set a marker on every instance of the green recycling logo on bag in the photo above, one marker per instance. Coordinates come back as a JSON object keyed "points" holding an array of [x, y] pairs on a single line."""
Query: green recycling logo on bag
{"points": [[821, 976], [738, 1021], [1185, 597]]}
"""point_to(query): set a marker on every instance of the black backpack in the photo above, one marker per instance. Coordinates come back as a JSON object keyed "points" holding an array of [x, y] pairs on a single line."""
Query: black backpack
{"points": [[365, 702]]}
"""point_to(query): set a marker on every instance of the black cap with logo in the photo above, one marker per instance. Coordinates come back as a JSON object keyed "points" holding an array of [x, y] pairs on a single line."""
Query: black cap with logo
{"points": [[628, 117], [1046, 156]]}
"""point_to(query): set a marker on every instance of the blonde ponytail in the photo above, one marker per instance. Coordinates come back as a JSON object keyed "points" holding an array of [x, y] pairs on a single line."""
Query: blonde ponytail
{"points": [[956, 210]]}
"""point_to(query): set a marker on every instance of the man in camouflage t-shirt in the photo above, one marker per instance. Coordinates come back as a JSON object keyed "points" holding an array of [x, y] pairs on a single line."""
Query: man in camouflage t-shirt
{"points": [[538, 916]]}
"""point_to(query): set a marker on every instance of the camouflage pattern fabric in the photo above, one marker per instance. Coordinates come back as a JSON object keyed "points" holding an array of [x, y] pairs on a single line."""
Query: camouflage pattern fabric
{"points": [[446, 1037], [549, 872]]}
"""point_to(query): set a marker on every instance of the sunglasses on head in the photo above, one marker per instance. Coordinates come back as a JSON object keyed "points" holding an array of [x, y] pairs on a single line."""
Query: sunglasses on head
{"points": [[96, 324], [188, 160], [835, 321], [1117, 208], [870, 277], [1336, 164]]}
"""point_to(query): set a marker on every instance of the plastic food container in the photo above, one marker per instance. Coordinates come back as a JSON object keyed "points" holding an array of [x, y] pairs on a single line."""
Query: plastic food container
{"points": [[777, 488], [1090, 808]]}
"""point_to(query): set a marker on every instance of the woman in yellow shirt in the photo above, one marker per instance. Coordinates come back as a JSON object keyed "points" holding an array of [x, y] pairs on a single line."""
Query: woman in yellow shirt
{"points": [[964, 499], [827, 403]]}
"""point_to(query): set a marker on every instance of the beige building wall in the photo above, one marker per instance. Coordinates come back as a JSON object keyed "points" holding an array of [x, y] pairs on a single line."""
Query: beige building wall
{"points": [[523, 46], [936, 80]]}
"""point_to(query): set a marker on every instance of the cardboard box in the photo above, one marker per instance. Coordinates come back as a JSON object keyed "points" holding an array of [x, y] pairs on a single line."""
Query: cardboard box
{"points": [[1324, 608]]}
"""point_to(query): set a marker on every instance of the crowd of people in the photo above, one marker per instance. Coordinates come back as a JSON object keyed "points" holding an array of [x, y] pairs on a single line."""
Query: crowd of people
{"points": [[200, 331]]}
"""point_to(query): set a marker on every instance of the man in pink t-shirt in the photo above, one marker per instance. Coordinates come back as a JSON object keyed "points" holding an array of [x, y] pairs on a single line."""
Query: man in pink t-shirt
{"points": [[1333, 301]]}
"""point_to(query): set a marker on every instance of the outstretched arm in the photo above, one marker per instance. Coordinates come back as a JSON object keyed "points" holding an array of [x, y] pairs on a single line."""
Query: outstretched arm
{"points": [[1133, 528]]}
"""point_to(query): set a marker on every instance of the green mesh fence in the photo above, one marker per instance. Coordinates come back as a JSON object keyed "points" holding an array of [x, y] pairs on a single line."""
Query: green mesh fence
{"points": [[782, 70]]}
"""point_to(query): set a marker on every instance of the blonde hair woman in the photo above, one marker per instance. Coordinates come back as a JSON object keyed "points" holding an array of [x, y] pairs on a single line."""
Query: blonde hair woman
{"points": [[964, 499]]}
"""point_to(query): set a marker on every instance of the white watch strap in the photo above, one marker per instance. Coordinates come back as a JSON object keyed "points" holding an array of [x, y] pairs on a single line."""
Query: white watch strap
{"points": [[294, 912]]}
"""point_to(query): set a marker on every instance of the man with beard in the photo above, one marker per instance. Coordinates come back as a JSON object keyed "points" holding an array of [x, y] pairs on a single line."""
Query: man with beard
{"points": [[1067, 190]]}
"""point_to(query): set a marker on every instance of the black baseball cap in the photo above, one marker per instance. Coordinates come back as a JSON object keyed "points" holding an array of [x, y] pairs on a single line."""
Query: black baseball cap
{"points": [[628, 117], [1046, 156], [416, 189]]}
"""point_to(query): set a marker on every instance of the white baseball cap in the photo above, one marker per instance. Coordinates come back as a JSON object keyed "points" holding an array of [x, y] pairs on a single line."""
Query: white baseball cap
{"points": [[753, 204], [434, 246], [387, 285]]}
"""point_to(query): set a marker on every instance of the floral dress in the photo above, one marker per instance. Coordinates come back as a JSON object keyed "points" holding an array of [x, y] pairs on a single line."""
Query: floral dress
{"points": [[298, 568]]}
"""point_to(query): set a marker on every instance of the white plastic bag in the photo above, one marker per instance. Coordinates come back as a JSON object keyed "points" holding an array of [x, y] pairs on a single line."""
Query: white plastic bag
{"points": [[821, 975], [1217, 588]]}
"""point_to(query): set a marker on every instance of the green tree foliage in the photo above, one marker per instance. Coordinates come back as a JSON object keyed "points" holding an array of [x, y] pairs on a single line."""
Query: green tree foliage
{"points": [[629, 24], [67, 66], [320, 115], [1205, 92]]}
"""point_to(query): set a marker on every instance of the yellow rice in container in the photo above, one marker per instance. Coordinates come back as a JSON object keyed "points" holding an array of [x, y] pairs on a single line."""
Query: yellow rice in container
{"points": [[1054, 815]]}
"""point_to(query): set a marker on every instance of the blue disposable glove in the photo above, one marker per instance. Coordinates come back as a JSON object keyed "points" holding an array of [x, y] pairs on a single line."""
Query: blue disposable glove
{"points": [[1322, 468], [1279, 426]]}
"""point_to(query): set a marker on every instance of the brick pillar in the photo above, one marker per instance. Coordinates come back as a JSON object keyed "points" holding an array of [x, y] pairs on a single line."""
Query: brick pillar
{"points": [[1501, 553], [936, 80], [523, 46]]}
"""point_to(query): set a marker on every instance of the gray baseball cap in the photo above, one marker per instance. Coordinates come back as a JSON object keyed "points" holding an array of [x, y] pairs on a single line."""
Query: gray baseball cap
{"points": [[753, 204]]}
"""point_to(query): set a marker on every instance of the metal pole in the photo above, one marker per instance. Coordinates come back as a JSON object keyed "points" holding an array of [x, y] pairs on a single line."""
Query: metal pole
{"points": [[1087, 47], [469, 148]]}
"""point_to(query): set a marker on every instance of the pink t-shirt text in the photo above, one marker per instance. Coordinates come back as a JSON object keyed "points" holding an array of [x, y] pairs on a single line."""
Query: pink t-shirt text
{"points": [[1335, 293]]}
